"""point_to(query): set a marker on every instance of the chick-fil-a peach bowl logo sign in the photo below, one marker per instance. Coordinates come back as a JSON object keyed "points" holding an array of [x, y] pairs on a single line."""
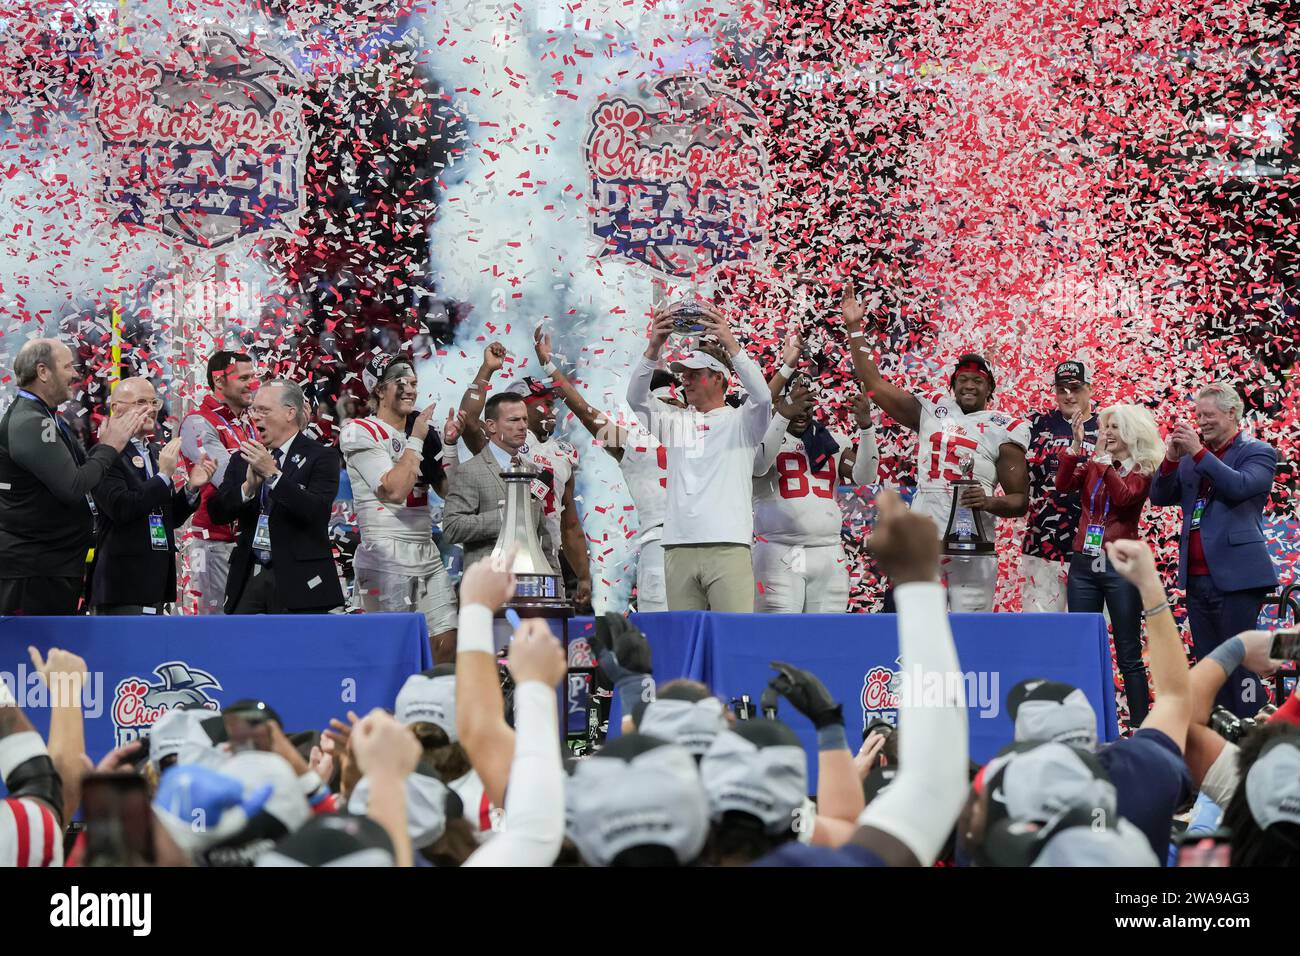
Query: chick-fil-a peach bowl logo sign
{"points": [[207, 143], [677, 185]]}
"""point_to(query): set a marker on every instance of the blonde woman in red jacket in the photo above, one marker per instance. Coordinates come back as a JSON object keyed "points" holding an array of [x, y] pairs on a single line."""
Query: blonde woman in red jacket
{"points": [[1113, 485]]}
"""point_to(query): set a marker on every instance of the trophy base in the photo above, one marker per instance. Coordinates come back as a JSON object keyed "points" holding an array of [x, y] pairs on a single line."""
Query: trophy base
{"points": [[540, 593], [968, 548]]}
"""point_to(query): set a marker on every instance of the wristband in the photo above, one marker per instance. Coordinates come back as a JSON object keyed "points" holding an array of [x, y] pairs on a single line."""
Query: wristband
{"points": [[831, 737], [1152, 611], [1229, 655], [474, 632], [866, 429], [785, 371], [549, 367], [17, 749], [310, 782]]}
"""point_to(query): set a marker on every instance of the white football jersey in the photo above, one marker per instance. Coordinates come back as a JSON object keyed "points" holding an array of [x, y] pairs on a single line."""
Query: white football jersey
{"points": [[794, 504], [947, 437], [645, 469], [560, 458], [370, 449]]}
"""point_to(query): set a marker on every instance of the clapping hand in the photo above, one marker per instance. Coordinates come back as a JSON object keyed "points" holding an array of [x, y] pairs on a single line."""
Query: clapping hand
{"points": [[260, 462], [201, 473]]}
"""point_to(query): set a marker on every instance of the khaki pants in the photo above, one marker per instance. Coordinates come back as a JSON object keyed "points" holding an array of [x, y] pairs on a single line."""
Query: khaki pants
{"points": [[710, 577]]}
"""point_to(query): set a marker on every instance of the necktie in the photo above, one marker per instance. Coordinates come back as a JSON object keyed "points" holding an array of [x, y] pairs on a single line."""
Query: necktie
{"points": [[266, 491]]}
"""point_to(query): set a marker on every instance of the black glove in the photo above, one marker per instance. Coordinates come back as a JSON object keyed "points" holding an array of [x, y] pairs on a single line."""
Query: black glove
{"points": [[806, 694], [620, 647]]}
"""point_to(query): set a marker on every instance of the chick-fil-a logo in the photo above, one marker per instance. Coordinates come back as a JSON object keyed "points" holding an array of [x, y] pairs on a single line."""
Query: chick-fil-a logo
{"points": [[677, 188], [880, 695], [207, 144]]}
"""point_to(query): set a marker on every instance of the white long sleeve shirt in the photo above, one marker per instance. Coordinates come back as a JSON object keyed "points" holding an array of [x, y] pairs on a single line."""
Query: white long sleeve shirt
{"points": [[532, 828], [710, 457]]}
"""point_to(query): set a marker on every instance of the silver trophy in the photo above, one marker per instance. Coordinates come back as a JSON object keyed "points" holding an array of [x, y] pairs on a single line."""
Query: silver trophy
{"points": [[539, 587], [965, 536]]}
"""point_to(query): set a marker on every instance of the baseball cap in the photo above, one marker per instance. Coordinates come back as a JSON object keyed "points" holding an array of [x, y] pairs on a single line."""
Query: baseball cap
{"points": [[333, 839], [1048, 710], [1072, 838], [189, 735], [699, 360], [255, 769], [1072, 370], [531, 389], [691, 724], [383, 368], [1036, 782], [428, 805], [426, 698], [637, 791], [758, 767], [199, 806], [971, 362], [250, 708], [1273, 784]]}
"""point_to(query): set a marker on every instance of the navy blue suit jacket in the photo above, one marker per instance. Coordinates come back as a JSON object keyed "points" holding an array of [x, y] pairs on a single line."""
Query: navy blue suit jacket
{"points": [[1232, 526]]}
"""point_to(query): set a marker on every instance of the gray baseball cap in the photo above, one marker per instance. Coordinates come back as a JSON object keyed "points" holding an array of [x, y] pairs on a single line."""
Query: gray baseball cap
{"points": [[427, 800], [1046, 710], [183, 733], [692, 724], [333, 839], [1273, 784], [758, 767], [1120, 845], [637, 791], [1038, 782], [428, 699]]}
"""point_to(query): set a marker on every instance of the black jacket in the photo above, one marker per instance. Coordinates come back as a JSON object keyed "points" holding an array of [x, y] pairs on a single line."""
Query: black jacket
{"points": [[300, 506], [46, 526], [127, 568]]}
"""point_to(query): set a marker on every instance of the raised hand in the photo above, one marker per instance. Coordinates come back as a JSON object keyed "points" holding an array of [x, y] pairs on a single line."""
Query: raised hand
{"points": [[201, 473], [1135, 562], [862, 406], [851, 309], [542, 345], [807, 694], [536, 654], [455, 426], [1077, 426], [792, 349], [903, 544], [169, 457], [661, 327], [420, 427], [494, 357], [120, 429], [795, 402], [489, 582], [384, 747]]}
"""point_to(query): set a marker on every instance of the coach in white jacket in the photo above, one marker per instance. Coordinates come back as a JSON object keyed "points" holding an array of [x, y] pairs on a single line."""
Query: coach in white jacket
{"points": [[709, 524]]}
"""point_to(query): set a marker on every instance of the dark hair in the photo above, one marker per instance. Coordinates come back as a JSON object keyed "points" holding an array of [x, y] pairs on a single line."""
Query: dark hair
{"points": [[659, 378], [739, 839], [491, 411], [455, 845], [446, 757], [647, 854], [221, 361], [681, 688], [1279, 845]]}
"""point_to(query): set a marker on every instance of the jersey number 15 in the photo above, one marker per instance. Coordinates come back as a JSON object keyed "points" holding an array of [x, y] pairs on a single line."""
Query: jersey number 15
{"points": [[945, 463]]}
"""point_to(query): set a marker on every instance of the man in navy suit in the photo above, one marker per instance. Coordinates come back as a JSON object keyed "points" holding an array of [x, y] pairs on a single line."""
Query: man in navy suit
{"points": [[139, 510], [281, 489], [1222, 479]]}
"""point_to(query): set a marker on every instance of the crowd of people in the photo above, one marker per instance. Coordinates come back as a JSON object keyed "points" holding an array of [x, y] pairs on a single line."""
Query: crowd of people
{"points": [[736, 500]]}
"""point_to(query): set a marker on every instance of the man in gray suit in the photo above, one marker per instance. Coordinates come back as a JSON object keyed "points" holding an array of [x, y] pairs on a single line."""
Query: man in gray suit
{"points": [[471, 515]]}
